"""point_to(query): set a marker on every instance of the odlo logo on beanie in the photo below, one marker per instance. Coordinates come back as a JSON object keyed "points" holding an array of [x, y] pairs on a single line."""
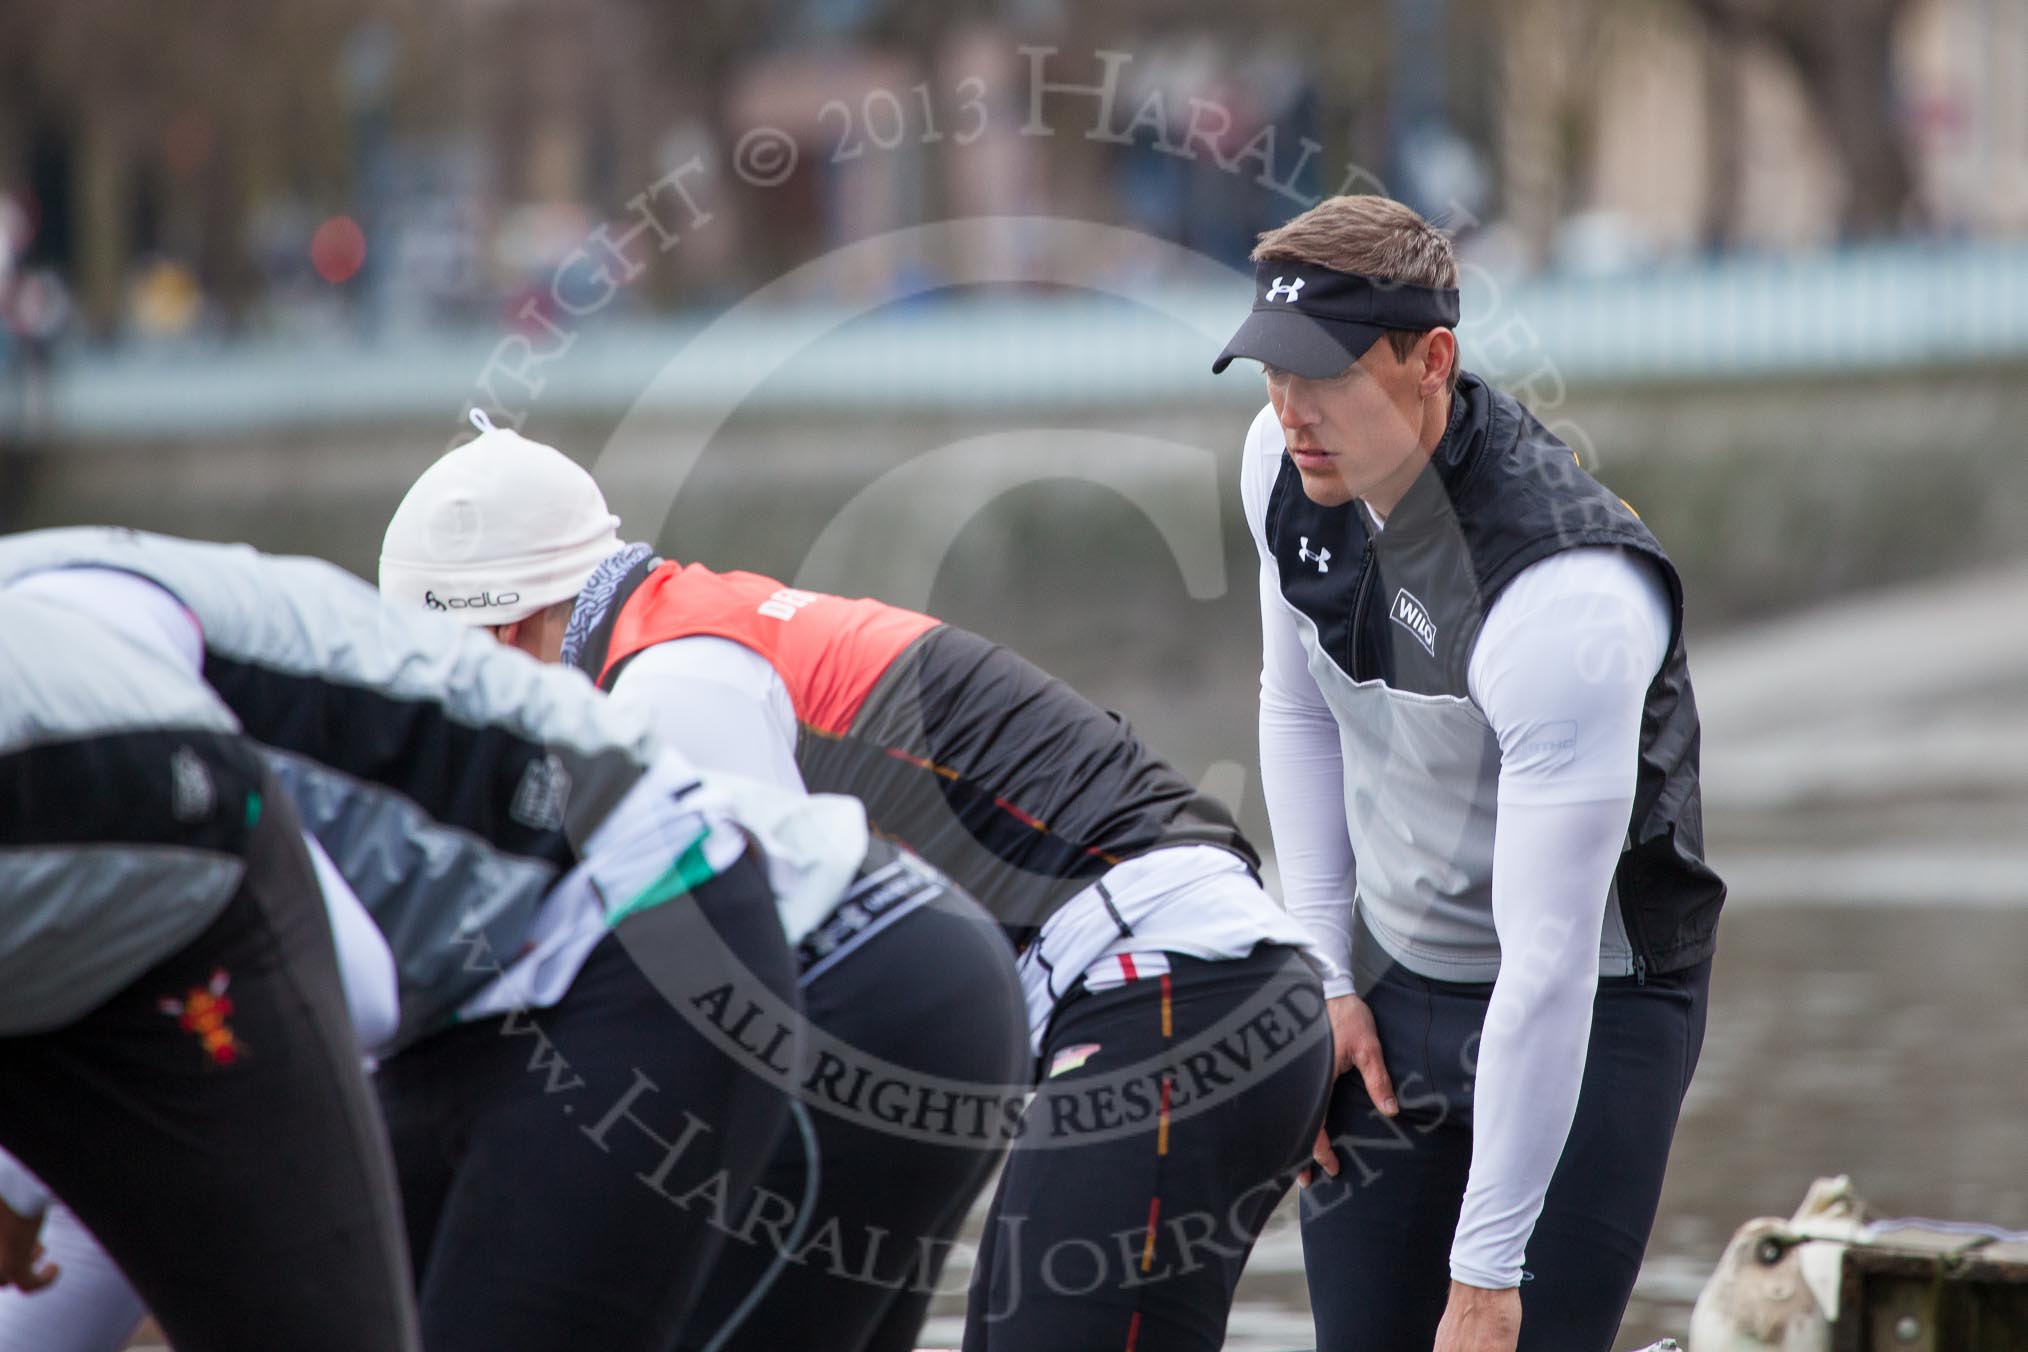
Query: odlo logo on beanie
{"points": [[485, 600]]}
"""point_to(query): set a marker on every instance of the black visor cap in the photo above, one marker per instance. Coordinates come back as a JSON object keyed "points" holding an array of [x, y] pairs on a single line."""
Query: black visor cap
{"points": [[1316, 322]]}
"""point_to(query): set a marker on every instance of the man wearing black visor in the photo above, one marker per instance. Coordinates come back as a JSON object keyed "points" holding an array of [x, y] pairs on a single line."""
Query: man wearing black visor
{"points": [[1479, 750]]}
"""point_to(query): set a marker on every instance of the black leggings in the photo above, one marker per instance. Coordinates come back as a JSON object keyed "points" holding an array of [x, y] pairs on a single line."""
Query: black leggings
{"points": [[1377, 1239], [1172, 1116], [241, 1181], [566, 1171], [916, 1061]]}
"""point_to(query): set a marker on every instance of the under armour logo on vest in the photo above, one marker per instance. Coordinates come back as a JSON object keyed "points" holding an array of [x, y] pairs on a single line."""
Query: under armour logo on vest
{"points": [[1322, 558]]}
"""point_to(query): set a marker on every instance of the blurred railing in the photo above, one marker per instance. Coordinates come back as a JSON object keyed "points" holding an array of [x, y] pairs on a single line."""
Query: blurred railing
{"points": [[1889, 307], [1886, 308]]}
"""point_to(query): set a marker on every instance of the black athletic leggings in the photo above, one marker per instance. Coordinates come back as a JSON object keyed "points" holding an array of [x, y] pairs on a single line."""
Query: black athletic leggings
{"points": [[212, 1125], [1377, 1239], [566, 1172], [1172, 1116], [916, 1062]]}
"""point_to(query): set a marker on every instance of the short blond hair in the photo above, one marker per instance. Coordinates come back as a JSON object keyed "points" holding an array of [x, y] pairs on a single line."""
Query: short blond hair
{"points": [[1374, 237]]}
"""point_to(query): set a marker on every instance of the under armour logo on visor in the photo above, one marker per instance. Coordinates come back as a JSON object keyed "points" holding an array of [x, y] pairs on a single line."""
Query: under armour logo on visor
{"points": [[1322, 558], [1285, 291]]}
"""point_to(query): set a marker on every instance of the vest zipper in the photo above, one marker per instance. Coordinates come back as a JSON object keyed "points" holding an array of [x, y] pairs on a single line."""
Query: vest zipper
{"points": [[1359, 600]]}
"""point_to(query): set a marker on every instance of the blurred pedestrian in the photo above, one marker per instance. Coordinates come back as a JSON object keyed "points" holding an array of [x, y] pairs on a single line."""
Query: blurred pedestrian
{"points": [[14, 235], [36, 312]]}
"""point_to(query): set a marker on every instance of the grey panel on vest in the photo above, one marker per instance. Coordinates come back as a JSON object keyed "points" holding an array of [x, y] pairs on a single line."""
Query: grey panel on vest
{"points": [[79, 923], [450, 906], [1425, 860]]}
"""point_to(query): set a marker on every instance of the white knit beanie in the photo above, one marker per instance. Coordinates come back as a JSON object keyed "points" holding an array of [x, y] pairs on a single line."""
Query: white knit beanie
{"points": [[497, 530]]}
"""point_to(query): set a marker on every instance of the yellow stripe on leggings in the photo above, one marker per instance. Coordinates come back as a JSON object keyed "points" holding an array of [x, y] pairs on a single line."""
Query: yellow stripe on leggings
{"points": [[1162, 1118]]}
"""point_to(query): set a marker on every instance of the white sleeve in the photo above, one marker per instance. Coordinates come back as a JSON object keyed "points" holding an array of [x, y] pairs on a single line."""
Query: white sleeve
{"points": [[720, 703], [1561, 671], [22, 1192], [1302, 770], [365, 963], [127, 604], [91, 1308]]}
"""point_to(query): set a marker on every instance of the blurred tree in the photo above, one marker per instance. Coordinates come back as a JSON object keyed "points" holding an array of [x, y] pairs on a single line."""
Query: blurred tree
{"points": [[1843, 53], [689, 58], [1725, 132], [1550, 107], [204, 107]]}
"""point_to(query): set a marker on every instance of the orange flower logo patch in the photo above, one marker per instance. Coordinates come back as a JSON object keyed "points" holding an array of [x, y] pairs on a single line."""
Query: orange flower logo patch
{"points": [[204, 1011]]}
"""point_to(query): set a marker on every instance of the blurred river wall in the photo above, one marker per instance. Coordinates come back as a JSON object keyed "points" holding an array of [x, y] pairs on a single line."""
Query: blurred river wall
{"points": [[1769, 494]]}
